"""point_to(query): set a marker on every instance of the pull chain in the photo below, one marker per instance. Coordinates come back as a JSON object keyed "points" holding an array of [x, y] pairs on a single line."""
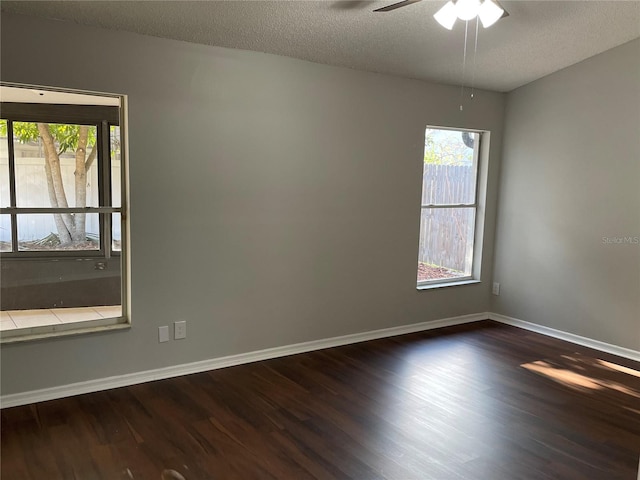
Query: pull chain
{"points": [[464, 62], [475, 52]]}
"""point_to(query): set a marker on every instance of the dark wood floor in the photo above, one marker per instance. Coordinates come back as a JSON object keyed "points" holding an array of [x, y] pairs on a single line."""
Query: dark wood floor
{"points": [[482, 401]]}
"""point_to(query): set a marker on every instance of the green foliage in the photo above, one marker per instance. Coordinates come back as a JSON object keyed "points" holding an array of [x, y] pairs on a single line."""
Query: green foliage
{"points": [[446, 148], [65, 136], [430, 154], [114, 140]]}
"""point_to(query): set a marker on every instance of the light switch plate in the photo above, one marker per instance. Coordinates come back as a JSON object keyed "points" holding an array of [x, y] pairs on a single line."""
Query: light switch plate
{"points": [[163, 334]]}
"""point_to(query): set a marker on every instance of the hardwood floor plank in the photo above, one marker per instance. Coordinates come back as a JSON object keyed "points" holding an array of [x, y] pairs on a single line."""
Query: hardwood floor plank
{"points": [[480, 401]]}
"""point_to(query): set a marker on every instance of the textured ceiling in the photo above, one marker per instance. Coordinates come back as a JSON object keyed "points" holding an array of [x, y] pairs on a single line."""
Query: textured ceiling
{"points": [[538, 38]]}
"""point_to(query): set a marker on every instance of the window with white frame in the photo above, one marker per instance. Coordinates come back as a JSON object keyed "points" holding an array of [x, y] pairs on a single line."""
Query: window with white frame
{"points": [[449, 207], [62, 215]]}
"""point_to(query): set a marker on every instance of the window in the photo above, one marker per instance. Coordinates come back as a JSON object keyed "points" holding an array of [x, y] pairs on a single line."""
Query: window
{"points": [[449, 208], [62, 214]]}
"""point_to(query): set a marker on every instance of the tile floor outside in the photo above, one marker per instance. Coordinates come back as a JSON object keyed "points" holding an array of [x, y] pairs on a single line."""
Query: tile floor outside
{"points": [[11, 319]]}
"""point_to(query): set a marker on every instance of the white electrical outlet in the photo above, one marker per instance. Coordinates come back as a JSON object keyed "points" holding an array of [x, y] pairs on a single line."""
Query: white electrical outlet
{"points": [[163, 334], [180, 329], [496, 288]]}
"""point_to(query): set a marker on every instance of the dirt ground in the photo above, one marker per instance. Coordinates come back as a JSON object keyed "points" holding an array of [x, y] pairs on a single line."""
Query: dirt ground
{"points": [[431, 272]]}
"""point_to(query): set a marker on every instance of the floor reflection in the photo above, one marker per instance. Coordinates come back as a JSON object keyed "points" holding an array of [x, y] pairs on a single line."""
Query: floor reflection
{"points": [[569, 370]]}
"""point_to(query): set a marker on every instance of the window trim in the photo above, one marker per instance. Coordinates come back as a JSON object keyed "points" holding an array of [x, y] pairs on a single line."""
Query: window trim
{"points": [[88, 326], [481, 160]]}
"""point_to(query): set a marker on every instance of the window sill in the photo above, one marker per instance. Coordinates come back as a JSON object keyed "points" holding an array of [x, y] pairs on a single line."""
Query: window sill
{"points": [[41, 333], [430, 286]]}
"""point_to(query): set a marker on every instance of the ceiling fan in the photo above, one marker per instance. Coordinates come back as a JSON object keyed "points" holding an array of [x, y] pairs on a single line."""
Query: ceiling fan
{"points": [[488, 11]]}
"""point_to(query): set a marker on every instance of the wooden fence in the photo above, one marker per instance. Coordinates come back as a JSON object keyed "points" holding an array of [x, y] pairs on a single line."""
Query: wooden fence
{"points": [[446, 234]]}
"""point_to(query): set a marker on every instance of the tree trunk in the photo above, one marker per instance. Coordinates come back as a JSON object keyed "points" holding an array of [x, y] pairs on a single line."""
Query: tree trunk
{"points": [[63, 232], [92, 157], [80, 173], [52, 159]]}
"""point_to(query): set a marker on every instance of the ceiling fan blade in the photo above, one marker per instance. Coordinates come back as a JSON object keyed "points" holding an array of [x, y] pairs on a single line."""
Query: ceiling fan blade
{"points": [[505, 13], [404, 3]]}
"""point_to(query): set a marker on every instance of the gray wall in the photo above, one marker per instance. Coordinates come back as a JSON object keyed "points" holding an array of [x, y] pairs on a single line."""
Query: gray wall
{"points": [[293, 217], [571, 176]]}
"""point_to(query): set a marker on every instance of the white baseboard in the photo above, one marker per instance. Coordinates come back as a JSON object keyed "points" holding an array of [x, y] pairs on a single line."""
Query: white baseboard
{"points": [[569, 337], [90, 386], [13, 400]]}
